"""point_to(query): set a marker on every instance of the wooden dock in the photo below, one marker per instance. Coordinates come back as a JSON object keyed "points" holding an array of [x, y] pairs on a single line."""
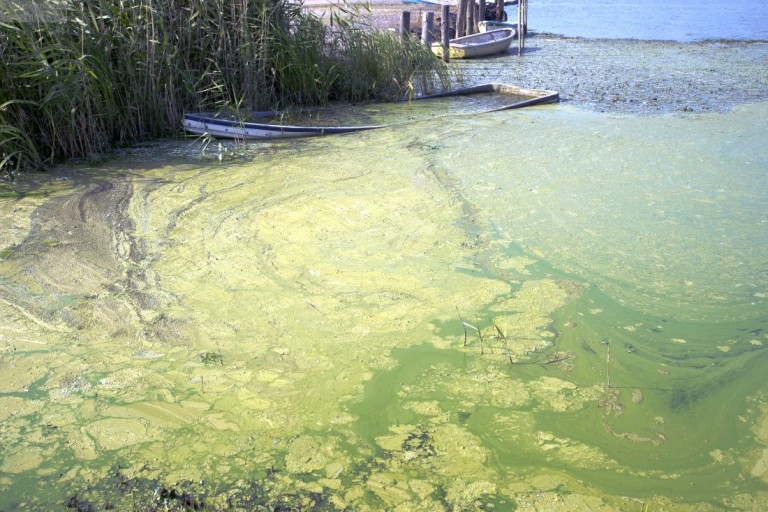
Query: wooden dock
{"points": [[430, 15], [469, 13]]}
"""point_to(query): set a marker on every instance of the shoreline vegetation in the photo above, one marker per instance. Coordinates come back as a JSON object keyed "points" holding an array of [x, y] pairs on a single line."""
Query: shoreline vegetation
{"points": [[80, 77]]}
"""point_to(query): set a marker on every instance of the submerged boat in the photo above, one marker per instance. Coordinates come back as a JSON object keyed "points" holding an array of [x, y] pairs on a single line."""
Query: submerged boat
{"points": [[355, 118], [481, 44], [262, 125]]}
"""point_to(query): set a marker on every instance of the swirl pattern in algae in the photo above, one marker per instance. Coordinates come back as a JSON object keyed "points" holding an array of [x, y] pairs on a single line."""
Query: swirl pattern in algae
{"points": [[330, 325]]}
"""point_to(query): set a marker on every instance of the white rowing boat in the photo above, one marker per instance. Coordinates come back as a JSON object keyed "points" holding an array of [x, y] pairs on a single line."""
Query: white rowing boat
{"points": [[477, 45]]}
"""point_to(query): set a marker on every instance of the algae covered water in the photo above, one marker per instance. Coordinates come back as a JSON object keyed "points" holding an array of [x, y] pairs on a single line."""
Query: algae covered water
{"points": [[543, 309]]}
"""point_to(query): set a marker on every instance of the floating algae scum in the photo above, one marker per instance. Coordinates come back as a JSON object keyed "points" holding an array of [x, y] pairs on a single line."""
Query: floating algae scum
{"points": [[288, 327]]}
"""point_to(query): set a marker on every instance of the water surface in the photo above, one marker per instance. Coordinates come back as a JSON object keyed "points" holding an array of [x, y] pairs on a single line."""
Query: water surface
{"points": [[678, 20], [547, 308]]}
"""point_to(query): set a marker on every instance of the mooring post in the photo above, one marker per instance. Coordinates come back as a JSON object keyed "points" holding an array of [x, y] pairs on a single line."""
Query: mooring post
{"points": [[481, 11], [445, 30], [427, 28], [521, 8], [405, 24], [461, 19], [525, 17], [471, 27]]}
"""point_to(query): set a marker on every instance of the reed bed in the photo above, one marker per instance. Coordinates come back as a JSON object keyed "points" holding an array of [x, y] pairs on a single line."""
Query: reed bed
{"points": [[80, 77]]}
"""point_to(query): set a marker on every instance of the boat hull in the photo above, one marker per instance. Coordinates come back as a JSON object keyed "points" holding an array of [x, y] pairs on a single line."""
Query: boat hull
{"points": [[206, 124], [536, 96], [202, 124], [482, 44]]}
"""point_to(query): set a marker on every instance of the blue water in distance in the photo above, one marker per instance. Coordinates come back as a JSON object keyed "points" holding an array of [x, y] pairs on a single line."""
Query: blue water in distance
{"points": [[678, 20]]}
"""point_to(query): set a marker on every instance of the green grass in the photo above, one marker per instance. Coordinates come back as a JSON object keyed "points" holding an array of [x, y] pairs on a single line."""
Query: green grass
{"points": [[87, 76]]}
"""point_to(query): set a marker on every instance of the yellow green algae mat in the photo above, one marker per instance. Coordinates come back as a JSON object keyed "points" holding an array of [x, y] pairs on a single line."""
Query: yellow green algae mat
{"points": [[541, 310]]}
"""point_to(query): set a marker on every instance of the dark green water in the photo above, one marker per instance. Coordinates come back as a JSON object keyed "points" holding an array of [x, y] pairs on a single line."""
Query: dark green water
{"points": [[687, 412]]}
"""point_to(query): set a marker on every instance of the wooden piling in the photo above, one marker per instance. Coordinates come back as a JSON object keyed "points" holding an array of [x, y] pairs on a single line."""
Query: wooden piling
{"points": [[405, 25], [499, 10], [481, 11], [471, 26], [445, 31], [461, 19], [427, 28], [522, 21], [525, 17]]}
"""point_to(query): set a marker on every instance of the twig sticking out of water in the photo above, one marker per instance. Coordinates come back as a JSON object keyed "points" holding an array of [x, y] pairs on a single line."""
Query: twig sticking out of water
{"points": [[500, 334], [463, 325], [221, 356], [477, 329], [479, 334], [504, 341]]}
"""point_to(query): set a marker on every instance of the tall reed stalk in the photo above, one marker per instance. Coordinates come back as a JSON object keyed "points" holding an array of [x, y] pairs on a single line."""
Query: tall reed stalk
{"points": [[80, 77]]}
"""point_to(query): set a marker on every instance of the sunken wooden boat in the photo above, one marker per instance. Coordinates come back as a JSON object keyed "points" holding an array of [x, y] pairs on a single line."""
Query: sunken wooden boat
{"points": [[355, 118], [482, 44], [262, 125]]}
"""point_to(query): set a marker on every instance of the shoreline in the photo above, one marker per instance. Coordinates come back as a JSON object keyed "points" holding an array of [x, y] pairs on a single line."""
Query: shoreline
{"points": [[622, 76]]}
